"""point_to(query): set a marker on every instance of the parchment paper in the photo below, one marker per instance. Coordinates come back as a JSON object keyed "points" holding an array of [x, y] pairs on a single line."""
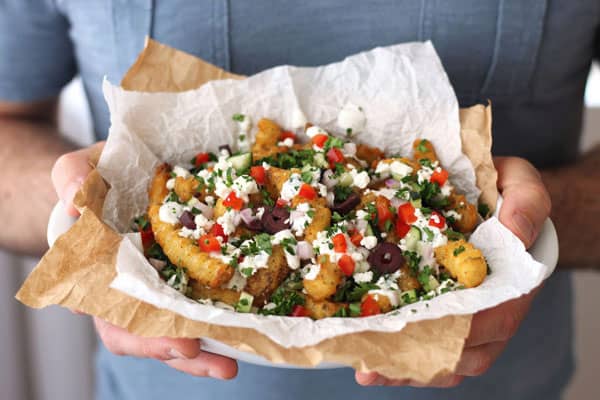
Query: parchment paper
{"points": [[76, 273]]}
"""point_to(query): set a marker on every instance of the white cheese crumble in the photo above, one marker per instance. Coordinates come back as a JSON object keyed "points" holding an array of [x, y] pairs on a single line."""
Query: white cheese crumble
{"points": [[254, 262], [361, 277], [181, 172], [229, 221], [291, 187], [369, 242], [170, 212], [170, 184], [351, 119]]}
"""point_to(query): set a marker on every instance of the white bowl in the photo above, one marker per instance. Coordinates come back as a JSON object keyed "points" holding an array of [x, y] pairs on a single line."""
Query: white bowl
{"points": [[544, 250]]}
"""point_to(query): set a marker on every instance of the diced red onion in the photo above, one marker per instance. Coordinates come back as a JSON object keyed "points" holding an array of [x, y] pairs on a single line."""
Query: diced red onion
{"points": [[247, 215], [392, 183], [428, 255], [330, 198], [305, 250], [396, 202], [328, 179], [206, 210], [350, 148], [157, 264]]}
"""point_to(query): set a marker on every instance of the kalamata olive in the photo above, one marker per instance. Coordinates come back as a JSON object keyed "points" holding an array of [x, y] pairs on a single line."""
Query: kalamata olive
{"points": [[254, 225], [187, 220], [275, 219], [225, 147], [344, 207], [386, 258]]}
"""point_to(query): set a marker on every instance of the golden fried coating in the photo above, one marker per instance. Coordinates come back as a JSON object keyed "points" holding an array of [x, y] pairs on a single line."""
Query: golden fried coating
{"points": [[264, 282], [219, 209], [467, 211], [267, 138], [371, 155], [423, 148], [406, 281], [227, 296], [383, 301], [182, 251], [320, 222], [185, 187], [275, 178], [326, 282], [322, 309], [463, 261]]}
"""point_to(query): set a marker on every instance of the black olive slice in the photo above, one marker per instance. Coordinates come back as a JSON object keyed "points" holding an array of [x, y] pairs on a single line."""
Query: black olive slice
{"points": [[386, 258], [225, 147], [275, 219], [187, 220], [344, 207]]}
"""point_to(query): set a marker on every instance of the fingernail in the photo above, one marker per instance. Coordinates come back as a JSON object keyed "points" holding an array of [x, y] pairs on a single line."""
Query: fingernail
{"points": [[215, 374], [174, 354], [379, 381], [524, 226]]}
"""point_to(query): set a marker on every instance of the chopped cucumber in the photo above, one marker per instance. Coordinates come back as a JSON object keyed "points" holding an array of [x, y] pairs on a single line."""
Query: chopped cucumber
{"points": [[241, 162], [397, 177], [412, 238], [417, 203], [354, 309], [319, 160], [244, 304], [409, 297], [346, 179], [369, 231], [431, 284]]}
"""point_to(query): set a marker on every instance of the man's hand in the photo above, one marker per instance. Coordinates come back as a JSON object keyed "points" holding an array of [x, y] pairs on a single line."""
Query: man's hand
{"points": [[69, 172], [526, 206]]}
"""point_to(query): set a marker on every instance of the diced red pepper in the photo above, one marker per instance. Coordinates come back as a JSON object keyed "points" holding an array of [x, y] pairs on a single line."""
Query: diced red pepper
{"points": [[334, 156], [201, 158], [307, 191], [384, 213], [355, 238], [319, 140], [406, 213], [217, 231], [402, 228], [369, 307], [339, 243], [437, 220], [346, 264], [287, 135], [299, 311], [439, 177], [209, 243], [147, 237], [258, 174], [233, 201], [281, 203]]}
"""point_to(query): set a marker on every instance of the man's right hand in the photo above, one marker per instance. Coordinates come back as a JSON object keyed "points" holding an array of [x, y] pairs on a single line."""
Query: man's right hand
{"points": [[185, 355]]}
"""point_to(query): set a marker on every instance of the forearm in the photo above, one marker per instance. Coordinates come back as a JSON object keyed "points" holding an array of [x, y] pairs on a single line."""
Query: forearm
{"points": [[27, 152], [575, 192]]}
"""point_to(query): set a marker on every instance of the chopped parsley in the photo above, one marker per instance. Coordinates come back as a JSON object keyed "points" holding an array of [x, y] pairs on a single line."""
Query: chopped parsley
{"points": [[238, 117], [458, 250], [422, 146]]}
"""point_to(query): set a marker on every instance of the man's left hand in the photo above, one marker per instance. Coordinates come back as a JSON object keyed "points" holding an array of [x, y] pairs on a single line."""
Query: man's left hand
{"points": [[525, 208]]}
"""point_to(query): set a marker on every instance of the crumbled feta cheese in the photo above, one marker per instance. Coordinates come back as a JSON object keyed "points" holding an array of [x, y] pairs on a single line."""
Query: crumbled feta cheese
{"points": [[253, 262], [209, 200], [369, 242], [181, 172], [360, 179], [229, 221], [352, 119], [170, 184], [314, 131], [244, 186], [291, 187], [400, 169], [266, 166], [361, 277]]}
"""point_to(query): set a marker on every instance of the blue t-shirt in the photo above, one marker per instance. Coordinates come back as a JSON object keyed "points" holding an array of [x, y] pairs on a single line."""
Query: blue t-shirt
{"points": [[530, 58]]}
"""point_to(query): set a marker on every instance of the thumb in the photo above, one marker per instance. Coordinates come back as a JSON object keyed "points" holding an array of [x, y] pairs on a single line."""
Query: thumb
{"points": [[69, 173], [526, 202]]}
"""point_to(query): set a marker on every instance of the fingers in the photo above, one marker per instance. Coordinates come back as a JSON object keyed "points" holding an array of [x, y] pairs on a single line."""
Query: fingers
{"points": [[69, 173], [182, 354], [500, 323], [374, 379], [476, 361], [526, 201]]}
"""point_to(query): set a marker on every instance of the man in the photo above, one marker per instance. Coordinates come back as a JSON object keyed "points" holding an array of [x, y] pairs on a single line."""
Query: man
{"points": [[530, 58]]}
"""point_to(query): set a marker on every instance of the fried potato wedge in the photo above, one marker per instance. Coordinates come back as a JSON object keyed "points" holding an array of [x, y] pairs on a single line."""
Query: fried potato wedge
{"points": [[267, 138], [371, 155], [467, 211], [264, 282], [185, 187], [322, 309], [406, 281], [275, 178], [326, 282], [182, 251], [227, 296], [463, 261], [423, 148]]}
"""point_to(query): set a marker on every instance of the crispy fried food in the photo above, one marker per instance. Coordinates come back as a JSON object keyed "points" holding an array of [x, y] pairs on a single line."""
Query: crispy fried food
{"points": [[219, 209], [322, 309], [406, 281], [185, 187], [467, 211], [267, 137], [326, 282], [423, 148], [321, 219], [371, 155], [383, 301], [227, 296], [275, 178], [264, 282], [366, 199], [411, 163], [182, 251], [463, 261]]}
